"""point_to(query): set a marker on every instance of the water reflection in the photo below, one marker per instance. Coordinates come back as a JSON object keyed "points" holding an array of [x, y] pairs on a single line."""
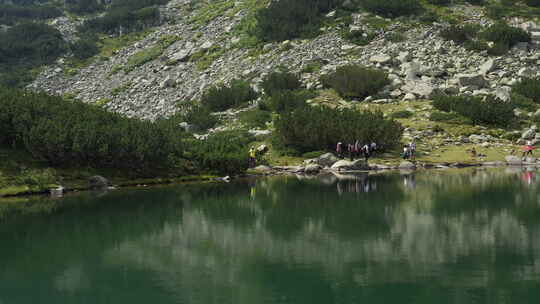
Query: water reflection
{"points": [[429, 237]]}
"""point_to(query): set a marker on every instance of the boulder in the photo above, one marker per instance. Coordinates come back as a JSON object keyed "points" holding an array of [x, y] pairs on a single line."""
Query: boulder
{"points": [[382, 59], [327, 160], [167, 82], [182, 55], [312, 169], [529, 134], [404, 57], [513, 160], [98, 182], [531, 160], [263, 169], [476, 80], [503, 93], [526, 72], [487, 67], [358, 164], [418, 88], [407, 165]]}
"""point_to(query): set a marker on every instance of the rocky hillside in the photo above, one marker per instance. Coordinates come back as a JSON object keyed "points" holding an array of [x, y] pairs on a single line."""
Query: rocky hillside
{"points": [[200, 45]]}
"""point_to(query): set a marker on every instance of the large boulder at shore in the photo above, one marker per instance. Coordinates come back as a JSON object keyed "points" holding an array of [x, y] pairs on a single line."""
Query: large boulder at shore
{"points": [[98, 182], [513, 160], [327, 160], [312, 169], [358, 164], [407, 165]]}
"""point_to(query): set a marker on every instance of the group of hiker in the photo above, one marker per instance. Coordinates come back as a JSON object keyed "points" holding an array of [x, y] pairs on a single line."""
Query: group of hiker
{"points": [[409, 151], [356, 150]]}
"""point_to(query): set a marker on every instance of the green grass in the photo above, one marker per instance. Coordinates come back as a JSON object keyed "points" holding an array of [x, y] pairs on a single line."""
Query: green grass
{"points": [[211, 11], [205, 58], [149, 54]]}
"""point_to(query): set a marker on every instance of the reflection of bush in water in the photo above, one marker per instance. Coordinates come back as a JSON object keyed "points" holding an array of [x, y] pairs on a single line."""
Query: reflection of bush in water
{"points": [[288, 204], [492, 192]]}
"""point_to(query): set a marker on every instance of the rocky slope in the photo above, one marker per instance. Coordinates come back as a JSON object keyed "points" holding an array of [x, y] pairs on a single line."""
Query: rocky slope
{"points": [[206, 50]]}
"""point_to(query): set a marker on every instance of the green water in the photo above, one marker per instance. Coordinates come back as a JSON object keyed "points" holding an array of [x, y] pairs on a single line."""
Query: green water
{"points": [[432, 237]]}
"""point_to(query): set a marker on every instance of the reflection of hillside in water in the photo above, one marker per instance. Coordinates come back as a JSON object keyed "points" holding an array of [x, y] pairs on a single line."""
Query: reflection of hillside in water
{"points": [[284, 238], [386, 235]]}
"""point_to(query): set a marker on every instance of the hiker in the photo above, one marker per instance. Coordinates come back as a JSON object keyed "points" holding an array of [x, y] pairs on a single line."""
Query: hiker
{"points": [[412, 150], [339, 150], [406, 152], [252, 160], [350, 148], [372, 148], [357, 149], [473, 152], [527, 149], [366, 152]]}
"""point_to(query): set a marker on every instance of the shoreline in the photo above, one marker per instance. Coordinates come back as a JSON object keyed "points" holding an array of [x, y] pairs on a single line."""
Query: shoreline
{"points": [[21, 191]]}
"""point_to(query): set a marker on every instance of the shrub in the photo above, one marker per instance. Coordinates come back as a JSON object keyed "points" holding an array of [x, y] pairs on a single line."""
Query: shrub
{"points": [[489, 111], [12, 14], [287, 101], [223, 152], [222, 97], [255, 118], [280, 81], [402, 114], [358, 37], [353, 81], [283, 20], [460, 34], [200, 117], [533, 3], [392, 8], [528, 87], [502, 33], [450, 117], [65, 133], [439, 2], [84, 6], [26, 46], [319, 128], [84, 47], [125, 16]]}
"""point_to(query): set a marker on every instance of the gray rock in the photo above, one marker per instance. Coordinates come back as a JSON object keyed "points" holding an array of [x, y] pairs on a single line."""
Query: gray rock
{"points": [[476, 80], [487, 67], [513, 160], [382, 59], [404, 57], [503, 93], [350, 165], [407, 165], [98, 182], [327, 160], [312, 169], [419, 88], [528, 134], [526, 72]]}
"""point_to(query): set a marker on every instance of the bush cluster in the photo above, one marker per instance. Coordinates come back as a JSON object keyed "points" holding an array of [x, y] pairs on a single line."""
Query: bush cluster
{"points": [[200, 117], [71, 133], [354, 81], [392, 8], [26, 46], [125, 16], [84, 6], [283, 20], [287, 101], [320, 128], [528, 87], [12, 14], [223, 152], [223, 97], [489, 111], [276, 82], [533, 3], [472, 37], [85, 47]]}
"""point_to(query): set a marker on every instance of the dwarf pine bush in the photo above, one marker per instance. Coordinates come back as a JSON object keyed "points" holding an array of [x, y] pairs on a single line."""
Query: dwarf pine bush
{"points": [[320, 128], [354, 81]]}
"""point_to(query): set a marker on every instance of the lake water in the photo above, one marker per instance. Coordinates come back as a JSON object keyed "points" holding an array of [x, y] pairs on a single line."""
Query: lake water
{"points": [[467, 236]]}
